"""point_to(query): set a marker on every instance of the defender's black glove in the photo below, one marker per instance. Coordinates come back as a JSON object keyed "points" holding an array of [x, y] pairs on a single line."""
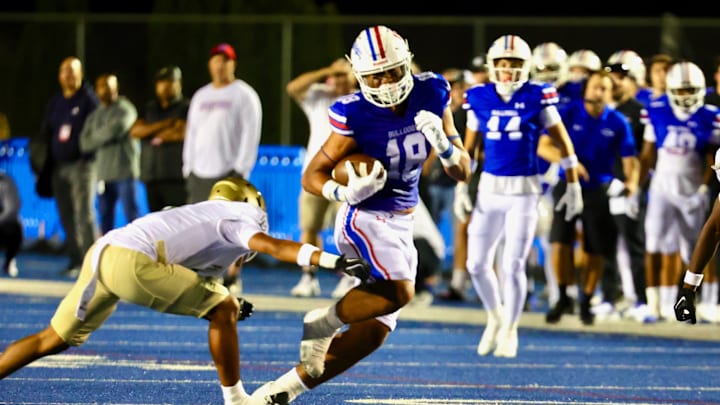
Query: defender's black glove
{"points": [[246, 309], [356, 267], [685, 306]]}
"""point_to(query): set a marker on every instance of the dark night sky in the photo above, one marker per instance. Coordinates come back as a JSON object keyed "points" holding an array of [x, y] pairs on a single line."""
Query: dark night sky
{"points": [[449, 7]]}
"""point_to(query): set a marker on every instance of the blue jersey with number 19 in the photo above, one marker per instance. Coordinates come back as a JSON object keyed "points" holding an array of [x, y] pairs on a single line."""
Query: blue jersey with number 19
{"points": [[510, 129], [392, 139]]}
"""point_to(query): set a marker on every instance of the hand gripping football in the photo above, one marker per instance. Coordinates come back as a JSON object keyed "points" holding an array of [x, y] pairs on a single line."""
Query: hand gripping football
{"points": [[362, 163]]}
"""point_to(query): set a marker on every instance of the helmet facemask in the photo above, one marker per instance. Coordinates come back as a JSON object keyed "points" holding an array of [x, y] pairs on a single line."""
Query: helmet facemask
{"points": [[548, 63], [378, 52], [388, 94], [509, 79], [685, 88], [628, 62]]}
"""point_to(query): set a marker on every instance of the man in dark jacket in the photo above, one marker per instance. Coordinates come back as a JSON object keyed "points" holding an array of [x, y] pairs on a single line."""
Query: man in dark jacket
{"points": [[66, 173], [161, 128]]}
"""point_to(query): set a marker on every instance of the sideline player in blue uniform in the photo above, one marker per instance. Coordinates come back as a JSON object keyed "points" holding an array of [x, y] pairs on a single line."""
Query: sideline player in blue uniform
{"points": [[399, 119], [510, 113], [599, 134]]}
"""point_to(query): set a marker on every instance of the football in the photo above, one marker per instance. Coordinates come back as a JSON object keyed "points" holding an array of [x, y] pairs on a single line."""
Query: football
{"points": [[361, 162]]}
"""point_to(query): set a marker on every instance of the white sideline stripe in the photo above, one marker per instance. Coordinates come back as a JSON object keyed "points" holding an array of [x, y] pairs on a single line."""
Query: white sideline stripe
{"points": [[436, 313], [77, 361], [416, 386], [430, 401]]}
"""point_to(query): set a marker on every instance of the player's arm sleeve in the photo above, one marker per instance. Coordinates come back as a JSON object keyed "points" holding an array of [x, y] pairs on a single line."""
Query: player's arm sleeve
{"points": [[238, 232], [472, 123], [550, 116]]}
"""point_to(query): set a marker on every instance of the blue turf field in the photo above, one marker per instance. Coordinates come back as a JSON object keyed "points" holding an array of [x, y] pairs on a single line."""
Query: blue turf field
{"points": [[143, 357]]}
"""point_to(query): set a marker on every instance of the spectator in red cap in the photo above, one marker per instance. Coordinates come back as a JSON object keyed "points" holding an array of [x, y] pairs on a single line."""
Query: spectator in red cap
{"points": [[224, 49], [223, 126]]}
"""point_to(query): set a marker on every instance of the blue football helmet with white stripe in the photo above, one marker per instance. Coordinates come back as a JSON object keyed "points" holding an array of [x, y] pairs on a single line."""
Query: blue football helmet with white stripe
{"points": [[378, 50]]}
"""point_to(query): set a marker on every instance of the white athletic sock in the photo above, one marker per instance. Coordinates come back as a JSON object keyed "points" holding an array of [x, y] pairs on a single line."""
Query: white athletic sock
{"points": [[234, 395], [324, 321], [666, 296], [458, 280], [291, 383], [709, 293], [653, 300]]}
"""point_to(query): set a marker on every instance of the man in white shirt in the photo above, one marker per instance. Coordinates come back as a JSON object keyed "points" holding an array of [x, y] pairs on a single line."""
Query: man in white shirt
{"points": [[314, 91], [223, 127]]}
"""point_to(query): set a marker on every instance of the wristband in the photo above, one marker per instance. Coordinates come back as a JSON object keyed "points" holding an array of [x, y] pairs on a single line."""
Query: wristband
{"points": [[692, 279], [568, 162], [451, 157], [328, 260], [305, 254]]}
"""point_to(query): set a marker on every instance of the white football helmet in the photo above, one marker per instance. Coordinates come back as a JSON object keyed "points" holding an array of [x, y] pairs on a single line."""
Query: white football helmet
{"points": [[548, 62], [509, 47], [379, 49], [629, 62], [585, 59], [685, 87]]}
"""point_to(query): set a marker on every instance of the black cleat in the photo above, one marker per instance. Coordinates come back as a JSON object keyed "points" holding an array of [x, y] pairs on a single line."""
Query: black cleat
{"points": [[563, 306], [280, 398], [587, 317], [451, 294]]}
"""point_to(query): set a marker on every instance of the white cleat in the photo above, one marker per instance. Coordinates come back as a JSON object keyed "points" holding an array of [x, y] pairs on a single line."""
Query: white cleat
{"points": [[268, 395], [638, 313], [315, 343], [507, 343], [345, 284], [13, 269], [307, 287], [489, 337], [707, 313], [667, 313]]}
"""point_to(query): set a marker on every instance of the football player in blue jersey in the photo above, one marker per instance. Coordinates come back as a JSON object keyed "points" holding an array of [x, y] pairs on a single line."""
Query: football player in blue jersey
{"points": [[599, 134], [399, 119], [680, 138], [507, 116]]}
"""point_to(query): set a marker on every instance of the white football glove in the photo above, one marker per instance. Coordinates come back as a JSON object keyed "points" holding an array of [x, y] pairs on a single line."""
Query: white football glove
{"points": [[632, 208], [360, 188], [699, 200], [571, 200], [462, 205], [616, 188], [432, 127]]}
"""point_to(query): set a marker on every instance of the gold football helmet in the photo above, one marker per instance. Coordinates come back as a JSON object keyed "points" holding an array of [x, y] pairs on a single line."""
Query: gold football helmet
{"points": [[237, 189]]}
